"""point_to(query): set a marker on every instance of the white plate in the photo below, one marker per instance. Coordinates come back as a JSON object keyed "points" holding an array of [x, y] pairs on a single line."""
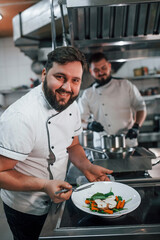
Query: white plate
{"points": [[118, 189]]}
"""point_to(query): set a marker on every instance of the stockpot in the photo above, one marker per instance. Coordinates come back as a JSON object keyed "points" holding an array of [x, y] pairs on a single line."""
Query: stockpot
{"points": [[86, 138], [113, 143]]}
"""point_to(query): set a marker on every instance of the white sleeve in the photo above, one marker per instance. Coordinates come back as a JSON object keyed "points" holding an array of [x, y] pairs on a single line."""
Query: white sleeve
{"points": [[16, 136], [137, 100], [84, 106]]}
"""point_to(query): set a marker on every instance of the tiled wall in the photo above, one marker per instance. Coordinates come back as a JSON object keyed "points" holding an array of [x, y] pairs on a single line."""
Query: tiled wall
{"points": [[15, 67]]}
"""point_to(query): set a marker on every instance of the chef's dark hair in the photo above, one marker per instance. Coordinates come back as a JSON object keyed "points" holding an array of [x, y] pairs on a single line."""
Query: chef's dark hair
{"points": [[64, 55], [96, 57]]}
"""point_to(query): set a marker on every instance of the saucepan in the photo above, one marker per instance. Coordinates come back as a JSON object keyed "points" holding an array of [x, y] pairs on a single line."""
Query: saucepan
{"points": [[86, 138], [112, 146], [113, 143], [115, 146]]}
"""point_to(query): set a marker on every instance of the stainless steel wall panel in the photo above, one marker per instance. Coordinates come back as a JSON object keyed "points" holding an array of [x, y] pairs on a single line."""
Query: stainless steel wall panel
{"points": [[105, 22], [125, 21], [93, 23], [143, 19], [156, 29], [151, 19], [119, 13], [136, 20], [111, 22], [99, 22], [131, 20], [81, 24], [72, 16], [87, 22]]}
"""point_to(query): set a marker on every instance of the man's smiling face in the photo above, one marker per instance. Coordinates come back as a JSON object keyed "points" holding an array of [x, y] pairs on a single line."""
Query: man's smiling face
{"points": [[100, 70], [62, 84]]}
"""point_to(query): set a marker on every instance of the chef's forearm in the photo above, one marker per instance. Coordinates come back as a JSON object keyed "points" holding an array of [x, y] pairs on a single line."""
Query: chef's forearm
{"points": [[140, 117], [16, 181], [78, 157]]}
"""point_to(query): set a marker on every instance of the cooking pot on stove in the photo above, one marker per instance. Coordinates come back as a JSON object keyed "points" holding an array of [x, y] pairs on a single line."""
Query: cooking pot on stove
{"points": [[86, 138], [113, 143]]}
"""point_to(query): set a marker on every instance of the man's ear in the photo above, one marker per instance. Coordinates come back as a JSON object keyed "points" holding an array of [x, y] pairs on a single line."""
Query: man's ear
{"points": [[43, 74]]}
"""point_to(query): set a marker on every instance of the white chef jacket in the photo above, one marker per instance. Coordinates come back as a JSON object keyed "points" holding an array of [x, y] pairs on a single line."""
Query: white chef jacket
{"points": [[29, 130], [112, 105]]}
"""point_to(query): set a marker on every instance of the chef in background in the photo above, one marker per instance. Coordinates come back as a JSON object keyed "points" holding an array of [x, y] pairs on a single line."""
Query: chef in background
{"points": [[38, 133], [111, 106]]}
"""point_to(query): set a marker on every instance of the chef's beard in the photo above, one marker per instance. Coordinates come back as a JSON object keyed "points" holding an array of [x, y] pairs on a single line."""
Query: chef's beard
{"points": [[51, 97], [104, 80]]}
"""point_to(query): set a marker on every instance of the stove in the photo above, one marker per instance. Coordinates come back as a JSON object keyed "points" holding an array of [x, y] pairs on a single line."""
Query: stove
{"points": [[147, 213], [69, 222], [141, 224]]}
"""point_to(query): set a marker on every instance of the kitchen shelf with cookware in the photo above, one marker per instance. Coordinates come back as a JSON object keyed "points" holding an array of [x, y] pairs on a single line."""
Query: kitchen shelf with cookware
{"points": [[148, 85]]}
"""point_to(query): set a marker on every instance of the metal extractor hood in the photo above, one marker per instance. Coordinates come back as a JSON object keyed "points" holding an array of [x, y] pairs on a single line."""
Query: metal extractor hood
{"points": [[124, 29]]}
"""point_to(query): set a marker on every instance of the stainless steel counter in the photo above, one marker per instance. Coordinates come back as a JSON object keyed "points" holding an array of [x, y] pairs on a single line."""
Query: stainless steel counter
{"points": [[142, 224]]}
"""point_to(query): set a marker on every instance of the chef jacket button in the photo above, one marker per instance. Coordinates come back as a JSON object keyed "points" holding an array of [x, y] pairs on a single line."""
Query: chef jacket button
{"points": [[102, 104], [52, 147], [72, 137], [70, 114], [100, 93], [106, 114], [109, 125], [49, 122]]}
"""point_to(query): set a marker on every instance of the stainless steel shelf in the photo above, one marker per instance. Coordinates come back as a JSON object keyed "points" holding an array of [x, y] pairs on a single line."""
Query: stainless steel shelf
{"points": [[146, 77], [149, 137]]}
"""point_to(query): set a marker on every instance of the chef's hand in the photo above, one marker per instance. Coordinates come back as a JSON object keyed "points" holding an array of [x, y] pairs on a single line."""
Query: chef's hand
{"points": [[133, 132], [97, 173], [95, 126], [51, 186]]}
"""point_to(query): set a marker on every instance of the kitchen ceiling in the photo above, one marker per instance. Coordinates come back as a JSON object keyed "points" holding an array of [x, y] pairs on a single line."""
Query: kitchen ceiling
{"points": [[9, 9]]}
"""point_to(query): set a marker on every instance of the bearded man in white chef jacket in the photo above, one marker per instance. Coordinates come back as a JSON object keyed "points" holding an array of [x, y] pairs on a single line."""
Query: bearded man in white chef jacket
{"points": [[116, 105], [38, 133]]}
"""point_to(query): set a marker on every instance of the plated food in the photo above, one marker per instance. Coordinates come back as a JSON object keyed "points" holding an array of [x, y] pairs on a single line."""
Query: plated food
{"points": [[106, 203], [107, 199]]}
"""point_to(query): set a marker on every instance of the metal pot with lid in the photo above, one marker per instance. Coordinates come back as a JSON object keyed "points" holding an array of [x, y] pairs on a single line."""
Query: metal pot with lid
{"points": [[86, 138], [113, 143]]}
